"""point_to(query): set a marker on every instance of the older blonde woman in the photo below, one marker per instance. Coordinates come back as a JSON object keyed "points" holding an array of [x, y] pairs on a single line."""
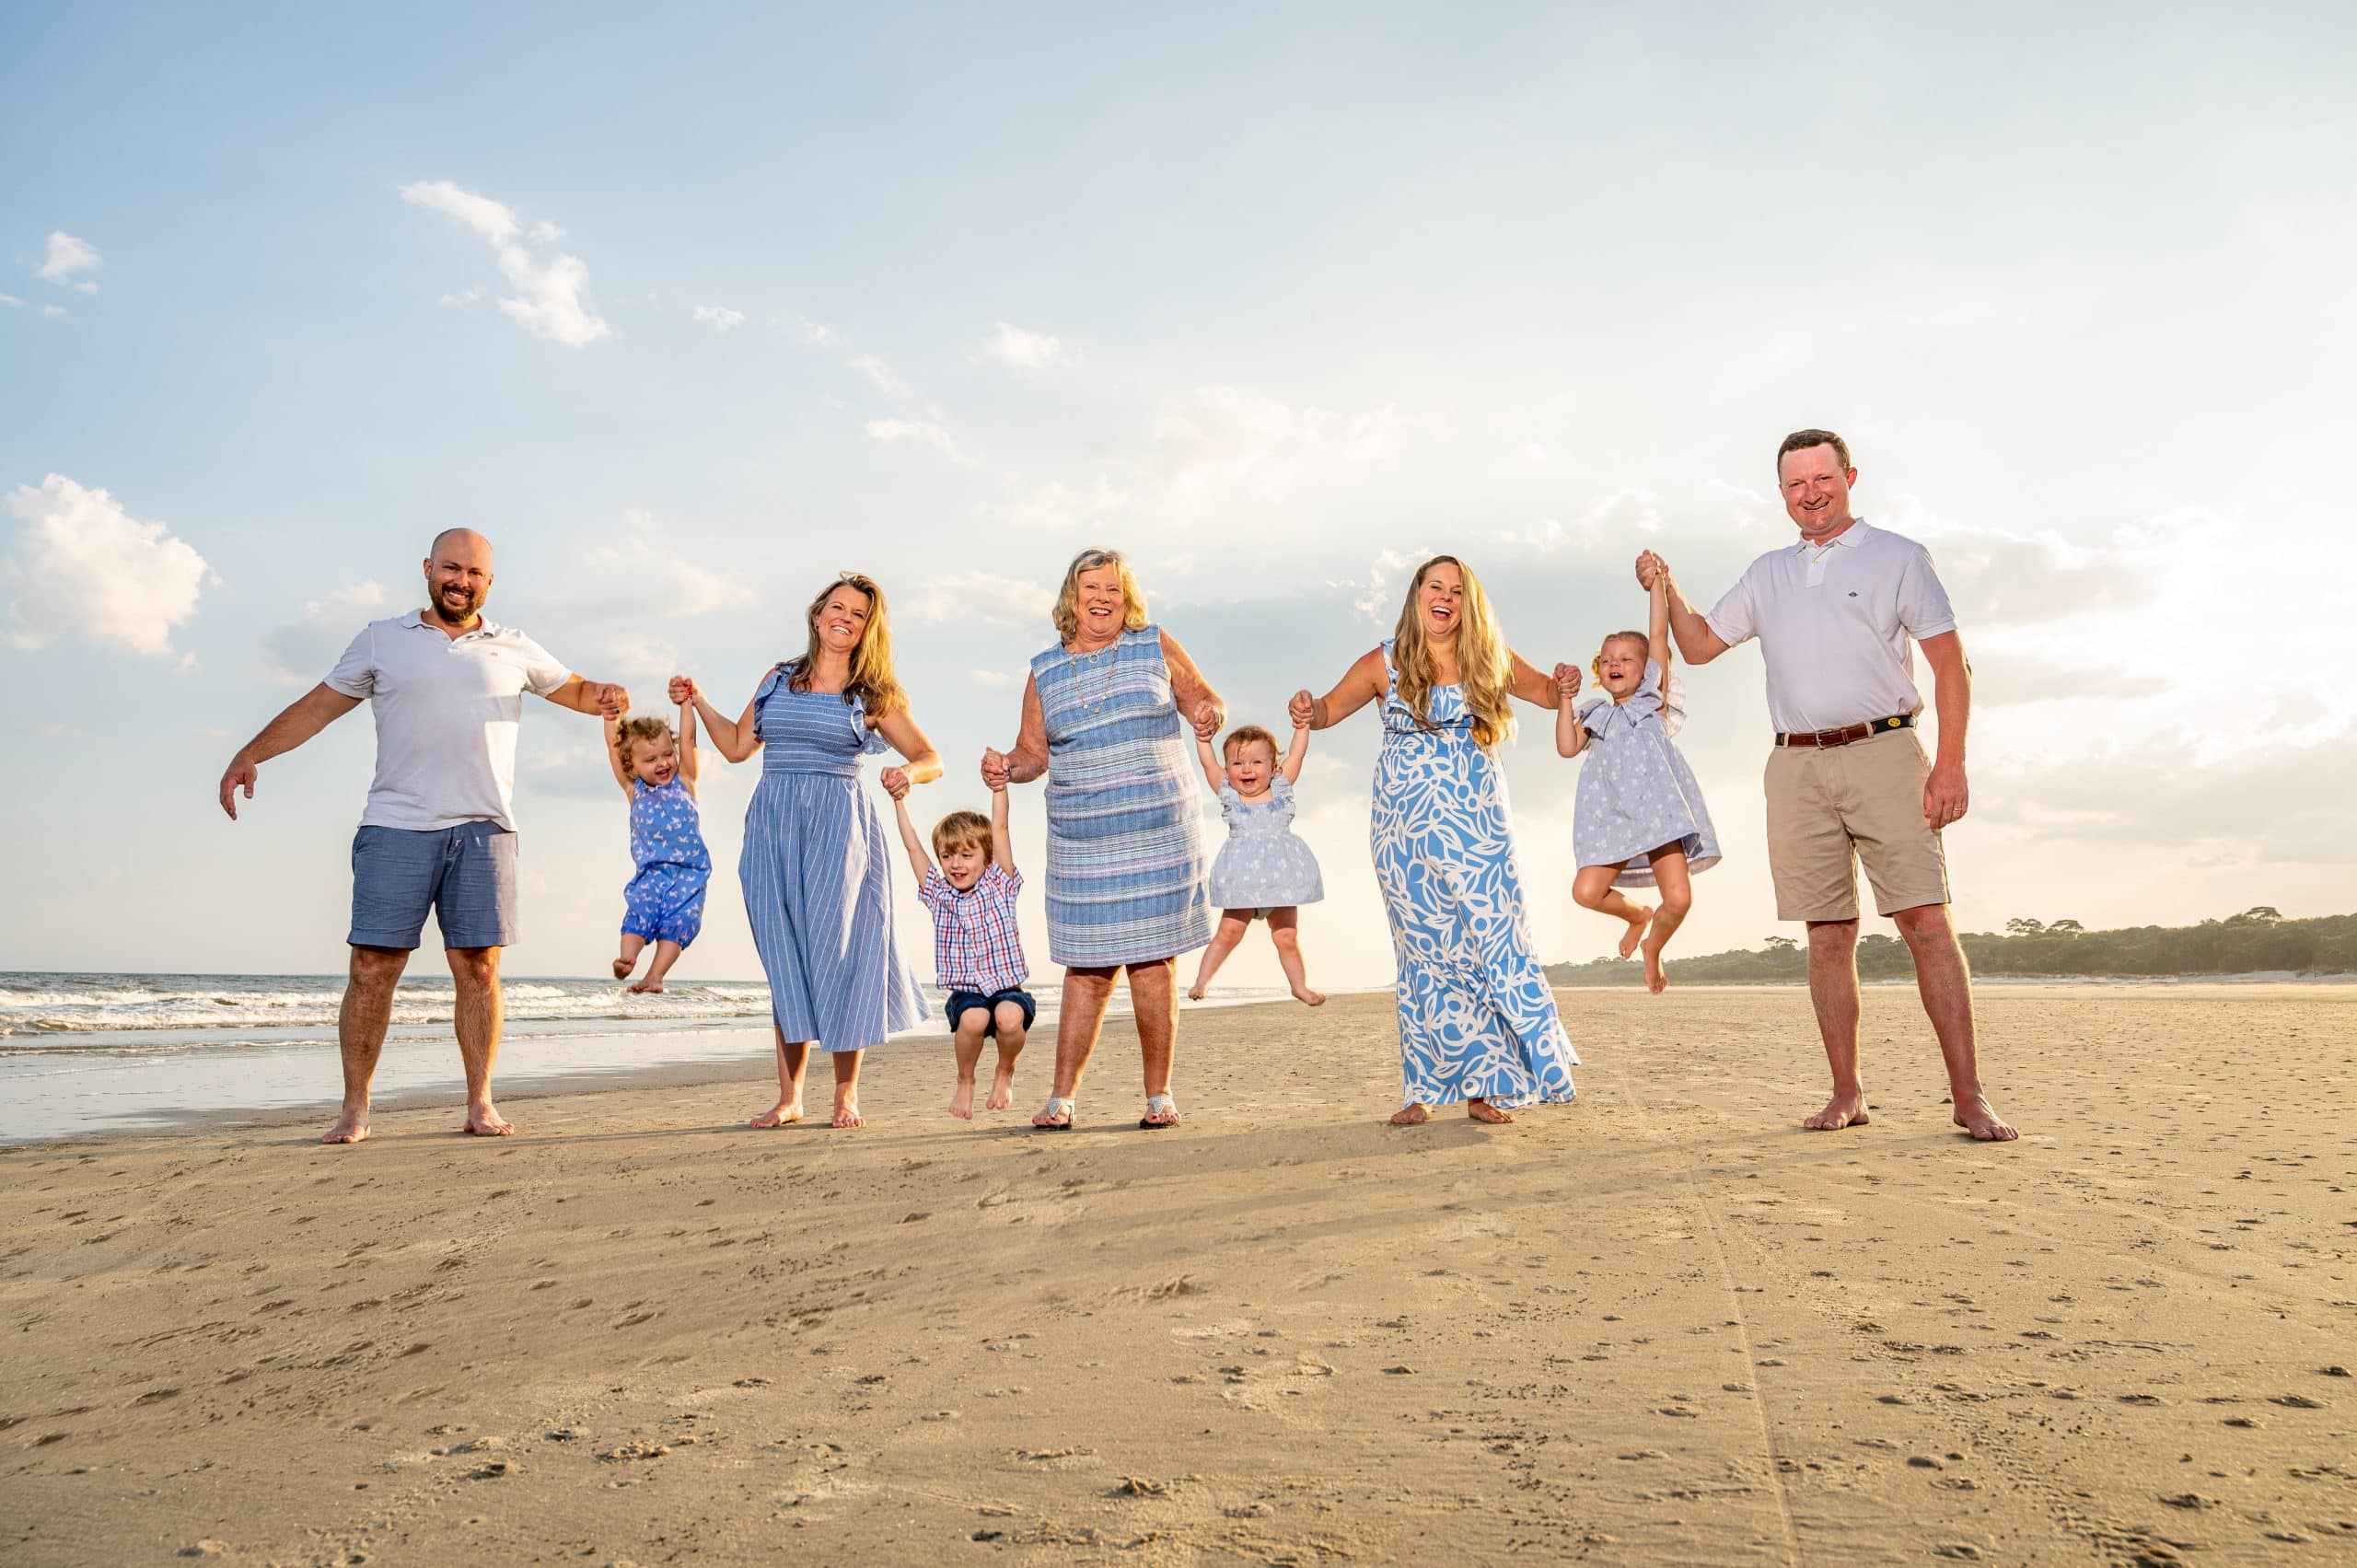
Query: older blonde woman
{"points": [[816, 866], [1102, 718], [1477, 1021]]}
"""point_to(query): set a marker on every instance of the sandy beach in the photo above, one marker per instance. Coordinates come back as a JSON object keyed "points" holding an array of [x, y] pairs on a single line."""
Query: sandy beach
{"points": [[1663, 1325]]}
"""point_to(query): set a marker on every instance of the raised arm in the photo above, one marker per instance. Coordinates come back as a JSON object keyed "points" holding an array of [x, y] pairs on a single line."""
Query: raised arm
{"points": [[1692, 634], [919, 858], [1361, 684], [736, 740], [1198, 704], [296, 722], [1214, 771], [1002, 836], [1297, 753], [586, 696], [1530, 683], [613, 727], [923, 763], [1028, 758], [688, 764], [1945, 793], [1657, 627]]}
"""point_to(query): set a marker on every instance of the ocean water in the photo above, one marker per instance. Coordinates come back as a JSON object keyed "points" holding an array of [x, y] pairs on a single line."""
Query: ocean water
{"points": [[98, 1052]]}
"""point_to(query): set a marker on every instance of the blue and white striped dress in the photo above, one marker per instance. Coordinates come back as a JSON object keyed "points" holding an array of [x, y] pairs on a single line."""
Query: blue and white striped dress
{"points": [[817, 875], [1125, 847]]}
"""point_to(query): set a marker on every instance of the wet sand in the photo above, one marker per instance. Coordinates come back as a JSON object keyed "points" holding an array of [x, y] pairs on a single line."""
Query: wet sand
{"points": [[1663, 1325]]}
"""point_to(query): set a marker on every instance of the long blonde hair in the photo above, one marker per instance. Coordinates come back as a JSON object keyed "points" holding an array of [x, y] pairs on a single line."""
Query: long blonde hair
{"points": [[1068, 596], [1484, 665], [872, 680]]}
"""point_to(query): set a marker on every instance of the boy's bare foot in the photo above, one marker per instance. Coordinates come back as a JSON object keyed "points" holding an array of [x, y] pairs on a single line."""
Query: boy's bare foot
{"points": [[647, 987], [785, 1113], [484, 1122], [1842, 1111], [1002, 1091], [962, 1104], [352, 1127], [1194, 993], [1978, 1117], [1483, 1111], [622, 967], [1657, 980], [1411, 1116], [1302, 993], [1636, 932], [847, 1109]]}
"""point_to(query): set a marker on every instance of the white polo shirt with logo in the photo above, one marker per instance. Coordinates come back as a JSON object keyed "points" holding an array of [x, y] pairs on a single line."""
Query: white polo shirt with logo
{"points": [[446, 711], [1833, 623]]}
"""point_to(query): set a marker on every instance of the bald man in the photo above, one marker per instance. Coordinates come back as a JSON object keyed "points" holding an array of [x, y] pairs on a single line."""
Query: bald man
{"points": [[447, 688]]}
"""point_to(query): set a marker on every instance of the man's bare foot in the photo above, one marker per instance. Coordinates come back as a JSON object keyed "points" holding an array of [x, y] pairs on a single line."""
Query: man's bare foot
{"points": [[847, 1109], [1194, 993], [647, 987], [1411, 1116], [785, 1113], [1655, 979], [352, 1127], [1483, 1111], [962, 1104], [484, 1122], [1002, 1092], [622, 967], [1307, 997], [1636, 932], [1978, 1117], [1842, 1111]]}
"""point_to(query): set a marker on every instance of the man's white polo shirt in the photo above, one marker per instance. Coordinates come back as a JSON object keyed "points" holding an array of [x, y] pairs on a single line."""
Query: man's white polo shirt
{"points": [[1833, 623], [446, 709]]}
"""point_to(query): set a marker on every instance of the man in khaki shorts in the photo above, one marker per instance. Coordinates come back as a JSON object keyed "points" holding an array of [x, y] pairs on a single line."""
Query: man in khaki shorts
{"points": [[1848, 781]]}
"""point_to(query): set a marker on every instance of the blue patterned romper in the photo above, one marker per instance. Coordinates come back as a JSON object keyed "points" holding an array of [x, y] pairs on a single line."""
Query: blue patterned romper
{"points": [[816, 872], [1125, 849], [665, 901], [1477, 1021]]}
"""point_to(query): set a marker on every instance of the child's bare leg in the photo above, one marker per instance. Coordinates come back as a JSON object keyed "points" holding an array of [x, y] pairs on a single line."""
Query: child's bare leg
{"points": [[1010, 1046], [666, 953], [968, 1042], [633, 944], [793, 1057], [1675, 885], [846, 1066], [1232, 926], [1284, 930], [1593, 889]]}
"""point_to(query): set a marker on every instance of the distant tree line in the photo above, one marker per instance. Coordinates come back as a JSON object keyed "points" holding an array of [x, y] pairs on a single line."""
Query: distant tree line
{"points": [[2257, 939]]}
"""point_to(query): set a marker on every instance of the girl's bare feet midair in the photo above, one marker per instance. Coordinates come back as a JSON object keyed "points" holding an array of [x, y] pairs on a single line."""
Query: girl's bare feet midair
{"points": [[1630, 938], [1411, 1116], [1483, 1111], [622, 967], [1656, 979], [647, 987], [785, 1113], [962, 1104]]}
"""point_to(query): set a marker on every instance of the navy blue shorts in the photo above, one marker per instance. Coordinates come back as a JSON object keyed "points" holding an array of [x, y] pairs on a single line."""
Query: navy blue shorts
{"points": [[466, 875], [962, 1002]]}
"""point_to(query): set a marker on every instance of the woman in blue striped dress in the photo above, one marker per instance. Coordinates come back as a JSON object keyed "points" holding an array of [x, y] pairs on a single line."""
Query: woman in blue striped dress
{"points": [[1477, 1021], [816, 865], [1126, 868]]}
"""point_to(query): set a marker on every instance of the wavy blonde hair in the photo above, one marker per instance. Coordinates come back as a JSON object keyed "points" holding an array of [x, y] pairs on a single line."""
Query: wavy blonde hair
{"points": [[1068, 596], [872, 680], [1484, 665]]}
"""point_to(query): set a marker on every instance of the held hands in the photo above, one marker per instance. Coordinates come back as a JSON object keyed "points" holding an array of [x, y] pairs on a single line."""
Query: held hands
{"points": [[683, 691], [894, 782], [1946, 796], [1303, 709], [1567, 683], [1650, 568], [240, 772], [1205, 718], [993, 770], [612, 701]]}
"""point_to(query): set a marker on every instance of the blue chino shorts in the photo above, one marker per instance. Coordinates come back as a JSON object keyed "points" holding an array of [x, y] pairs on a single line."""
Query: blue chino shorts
{"points": [[466, 875], [960, 1003]]}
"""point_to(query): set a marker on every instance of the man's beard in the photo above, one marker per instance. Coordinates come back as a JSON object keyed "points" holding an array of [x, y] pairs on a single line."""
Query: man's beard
{"points": [[442, 612]]}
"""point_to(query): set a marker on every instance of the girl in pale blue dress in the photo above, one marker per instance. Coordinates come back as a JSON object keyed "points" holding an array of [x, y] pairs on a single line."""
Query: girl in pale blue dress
{"points": [[1265, 871], [1639, 821]]}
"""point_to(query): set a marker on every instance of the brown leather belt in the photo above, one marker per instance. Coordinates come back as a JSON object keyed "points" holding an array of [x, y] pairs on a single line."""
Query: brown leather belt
{"points": [[1851, 735]]}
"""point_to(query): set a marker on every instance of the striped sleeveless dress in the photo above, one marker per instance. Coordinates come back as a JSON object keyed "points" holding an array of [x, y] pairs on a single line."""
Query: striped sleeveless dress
{"points": [[1125, 849], [816, 872]]}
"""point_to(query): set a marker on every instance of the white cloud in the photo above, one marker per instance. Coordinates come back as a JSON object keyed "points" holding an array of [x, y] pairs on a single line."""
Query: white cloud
{"points": [[81, 564], [645, 568], [54, 312], [462, 298], [544, 231], [1623, 520], [991, 678], [875, 370], [1387, 579], [12, 301], [307, 649], [817, 335], [68, 256], [1011, 344], [1054, 508], [721, 319], [548, 300], [982, 596], [919, 430], [636, 659]]}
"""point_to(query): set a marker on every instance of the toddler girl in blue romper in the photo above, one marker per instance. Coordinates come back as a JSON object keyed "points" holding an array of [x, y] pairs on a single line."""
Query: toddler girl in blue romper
{"points": [[1266, 871], [1639, 821], [664, 903]]}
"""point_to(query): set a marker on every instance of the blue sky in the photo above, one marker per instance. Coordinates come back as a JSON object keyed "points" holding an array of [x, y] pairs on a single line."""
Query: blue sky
{"points": [[1272, 300]]}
